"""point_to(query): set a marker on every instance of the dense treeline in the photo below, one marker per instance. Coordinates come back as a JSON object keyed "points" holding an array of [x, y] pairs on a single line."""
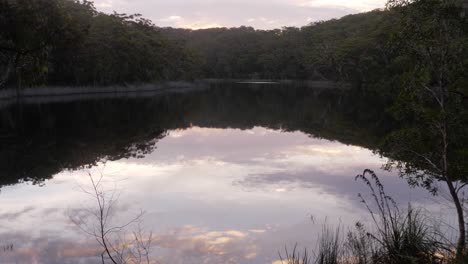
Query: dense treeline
{"points": [[330, 50], [68, 42], [65, 42]]}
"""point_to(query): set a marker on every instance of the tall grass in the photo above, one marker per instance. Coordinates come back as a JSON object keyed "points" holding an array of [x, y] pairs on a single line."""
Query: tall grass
{"points": [[330, 246], [401, 236], [295, 256], [361, 249], [394, 236]]}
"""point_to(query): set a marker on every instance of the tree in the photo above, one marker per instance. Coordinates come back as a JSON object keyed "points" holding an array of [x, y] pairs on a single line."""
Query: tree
{"points": [[28, 30], [430, 145], [97, 222], [67, 42]]}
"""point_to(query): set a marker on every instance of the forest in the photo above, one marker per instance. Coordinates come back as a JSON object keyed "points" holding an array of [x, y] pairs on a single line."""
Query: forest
{"points": [[68, 42], [65, 42]]}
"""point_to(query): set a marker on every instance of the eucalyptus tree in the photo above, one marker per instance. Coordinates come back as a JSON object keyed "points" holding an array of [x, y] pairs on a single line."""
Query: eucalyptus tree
{"points": [[430, 46], [28, 28]]}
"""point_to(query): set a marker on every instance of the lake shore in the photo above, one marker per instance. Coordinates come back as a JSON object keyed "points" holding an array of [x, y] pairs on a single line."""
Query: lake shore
{"points": [[11, 93], [98, 92]]}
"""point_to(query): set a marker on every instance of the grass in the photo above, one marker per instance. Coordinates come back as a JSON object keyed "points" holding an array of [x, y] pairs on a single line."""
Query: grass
{"points": [[295, 257], [395, 236]]}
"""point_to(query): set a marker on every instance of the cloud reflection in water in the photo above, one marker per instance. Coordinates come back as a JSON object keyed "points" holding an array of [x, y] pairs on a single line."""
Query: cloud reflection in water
{"points": [[211, 196]]}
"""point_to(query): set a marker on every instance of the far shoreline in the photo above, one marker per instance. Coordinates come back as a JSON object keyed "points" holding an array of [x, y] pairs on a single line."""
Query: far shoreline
{"points": [[48, 93]]}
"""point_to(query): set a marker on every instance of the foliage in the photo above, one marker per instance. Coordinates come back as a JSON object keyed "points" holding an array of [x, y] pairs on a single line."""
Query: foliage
{"points": [[68, 42], [334, 50], [435, 53], [76, 45], [429, 144]]}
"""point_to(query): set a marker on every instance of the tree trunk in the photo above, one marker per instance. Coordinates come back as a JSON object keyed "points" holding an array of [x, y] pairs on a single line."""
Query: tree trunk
{"points": [[461, 244], [7, 73], [18, 76], [18, 85]]}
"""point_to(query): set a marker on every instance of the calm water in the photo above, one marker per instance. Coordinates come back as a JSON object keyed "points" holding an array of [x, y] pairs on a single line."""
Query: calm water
{"points": [[227, 174]]}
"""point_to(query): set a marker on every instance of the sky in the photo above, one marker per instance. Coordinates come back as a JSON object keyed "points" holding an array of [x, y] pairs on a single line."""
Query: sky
{"points": [[261, 14]]}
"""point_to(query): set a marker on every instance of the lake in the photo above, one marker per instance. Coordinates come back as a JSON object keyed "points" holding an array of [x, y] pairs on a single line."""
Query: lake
{"points": [[232, 173]]}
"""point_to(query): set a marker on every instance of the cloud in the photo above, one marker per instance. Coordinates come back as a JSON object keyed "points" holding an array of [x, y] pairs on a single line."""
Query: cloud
{"points": [[104, 4], [360, 5], [200, 24], [207, 246], [180, 22], [171, 19], [48, 249], [185, 244], [261, 14], [13, 216], [262, 20]]}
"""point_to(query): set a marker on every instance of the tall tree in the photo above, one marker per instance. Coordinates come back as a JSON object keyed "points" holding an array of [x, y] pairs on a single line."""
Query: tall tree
{"points": [[430, 147], [29, 28]]}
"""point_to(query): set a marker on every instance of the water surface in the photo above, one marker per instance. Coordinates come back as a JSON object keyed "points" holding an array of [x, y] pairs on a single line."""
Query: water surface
{"points": [[228, 174]]}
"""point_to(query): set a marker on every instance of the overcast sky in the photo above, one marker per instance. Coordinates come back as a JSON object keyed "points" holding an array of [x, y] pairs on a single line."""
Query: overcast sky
{"points": [[262, 14]]}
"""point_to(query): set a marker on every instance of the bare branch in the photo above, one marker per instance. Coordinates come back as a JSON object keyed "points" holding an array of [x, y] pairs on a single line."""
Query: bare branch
{"points": [[117, 248]]}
